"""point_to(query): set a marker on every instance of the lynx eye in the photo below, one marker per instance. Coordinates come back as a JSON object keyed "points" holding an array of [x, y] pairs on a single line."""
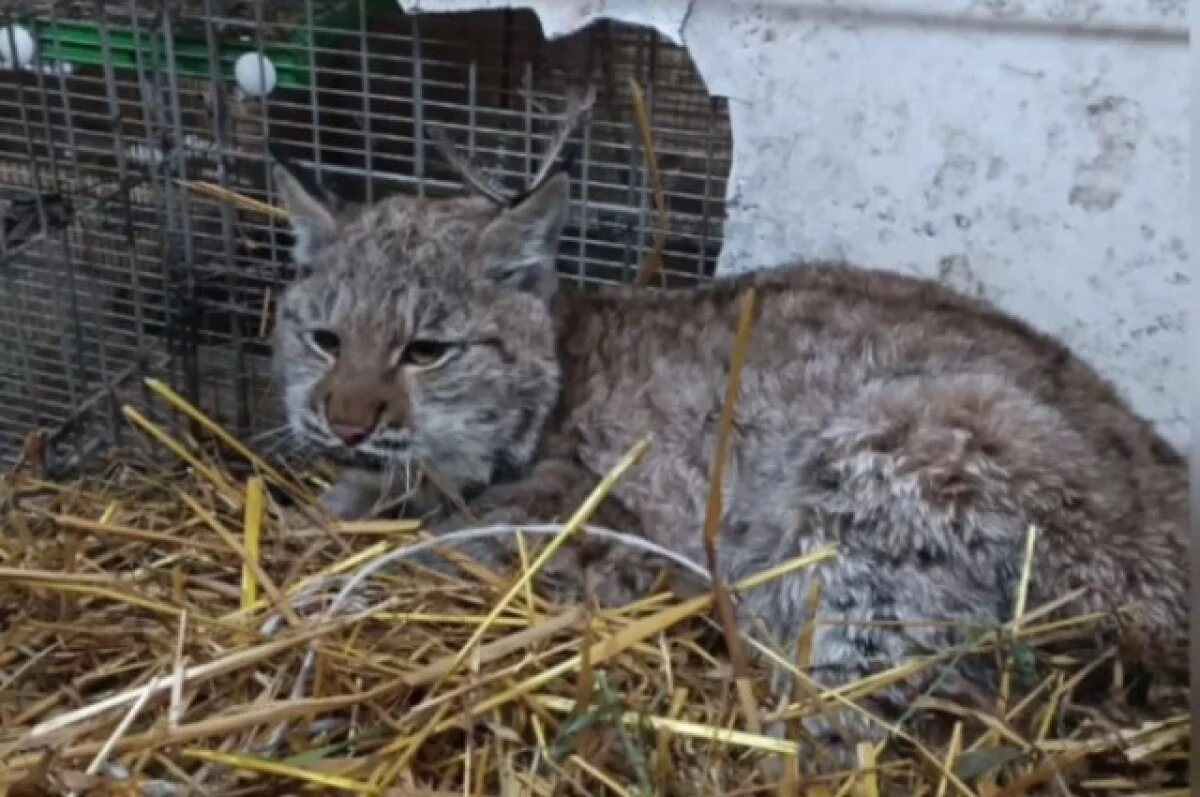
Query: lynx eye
{"points": [[324, 341], [425, 352]]}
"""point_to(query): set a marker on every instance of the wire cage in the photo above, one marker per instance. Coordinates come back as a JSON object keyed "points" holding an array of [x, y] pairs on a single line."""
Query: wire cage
{"points": [[114, 264]]}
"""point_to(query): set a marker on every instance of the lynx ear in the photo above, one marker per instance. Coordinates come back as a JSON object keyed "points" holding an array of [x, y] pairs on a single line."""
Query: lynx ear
{"points": [[518, 248], [312, 214]]}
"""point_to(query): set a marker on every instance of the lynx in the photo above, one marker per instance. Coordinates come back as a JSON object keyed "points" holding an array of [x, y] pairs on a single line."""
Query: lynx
{"points": [[921, 431]]}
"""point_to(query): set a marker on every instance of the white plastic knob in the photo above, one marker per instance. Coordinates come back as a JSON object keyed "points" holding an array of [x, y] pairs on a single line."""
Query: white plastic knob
{"points": [[255, 74], [18, 38]]}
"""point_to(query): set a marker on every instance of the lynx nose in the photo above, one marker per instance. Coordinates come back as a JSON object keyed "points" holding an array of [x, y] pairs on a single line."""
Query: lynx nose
{"points": [[349, 433], [353, 414], [356, 407]]}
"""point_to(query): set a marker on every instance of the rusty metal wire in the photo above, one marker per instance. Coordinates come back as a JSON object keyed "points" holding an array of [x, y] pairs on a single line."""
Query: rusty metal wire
{"points": [[110, 267]]}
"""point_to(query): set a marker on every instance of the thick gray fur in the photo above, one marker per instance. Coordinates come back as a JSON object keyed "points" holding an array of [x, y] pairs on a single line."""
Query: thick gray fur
{"points": [[920, 431]]}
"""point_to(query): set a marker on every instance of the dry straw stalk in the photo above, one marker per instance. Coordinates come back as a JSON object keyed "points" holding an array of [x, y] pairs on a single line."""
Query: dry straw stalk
{"points": [[156, 611]]}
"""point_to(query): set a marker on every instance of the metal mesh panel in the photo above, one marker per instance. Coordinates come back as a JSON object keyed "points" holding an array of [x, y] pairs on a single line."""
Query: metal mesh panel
{"points": [[111, 265]]}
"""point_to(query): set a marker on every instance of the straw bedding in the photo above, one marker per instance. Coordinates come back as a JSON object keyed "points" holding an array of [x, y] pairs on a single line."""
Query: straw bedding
{"points": [[171, 625], [184, 621]]}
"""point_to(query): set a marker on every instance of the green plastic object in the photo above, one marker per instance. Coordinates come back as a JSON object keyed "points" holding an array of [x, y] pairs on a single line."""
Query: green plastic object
{"points": [[81, 44]]}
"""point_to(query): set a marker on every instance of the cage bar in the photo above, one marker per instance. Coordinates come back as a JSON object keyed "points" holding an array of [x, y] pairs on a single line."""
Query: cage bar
{"points": [[141, 275]]}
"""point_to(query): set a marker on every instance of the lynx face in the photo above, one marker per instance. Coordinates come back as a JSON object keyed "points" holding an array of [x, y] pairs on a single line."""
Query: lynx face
{"points": [[421, 332]]}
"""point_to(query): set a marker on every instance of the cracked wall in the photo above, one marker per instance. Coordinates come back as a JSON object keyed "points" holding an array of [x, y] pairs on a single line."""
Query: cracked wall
{"points": [[1032, 152]]}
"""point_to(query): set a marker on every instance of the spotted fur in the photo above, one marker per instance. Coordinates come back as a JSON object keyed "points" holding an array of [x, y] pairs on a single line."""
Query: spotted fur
{"points": [[920, 431]]}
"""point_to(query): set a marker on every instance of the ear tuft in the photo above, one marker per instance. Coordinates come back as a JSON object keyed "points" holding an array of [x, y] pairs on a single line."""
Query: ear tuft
{"points": [[518, 248], [312, 217]]}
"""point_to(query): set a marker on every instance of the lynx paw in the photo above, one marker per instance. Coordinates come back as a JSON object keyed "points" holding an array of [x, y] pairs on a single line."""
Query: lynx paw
{"points": [[348, 500]]}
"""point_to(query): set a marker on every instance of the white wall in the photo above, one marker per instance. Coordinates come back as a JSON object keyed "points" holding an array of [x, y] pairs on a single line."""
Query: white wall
{"points": [[1034, 152]]}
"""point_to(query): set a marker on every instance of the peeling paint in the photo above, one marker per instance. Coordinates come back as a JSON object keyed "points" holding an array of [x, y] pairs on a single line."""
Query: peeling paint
{"points": [[1117, 123], [1030, 151], [955, 271]]}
